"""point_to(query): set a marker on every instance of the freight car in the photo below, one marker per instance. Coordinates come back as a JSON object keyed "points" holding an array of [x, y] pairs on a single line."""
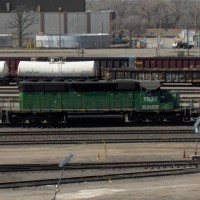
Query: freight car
{"points": [[101, 63], [35, 70], [104, 62], [53, 102], [4, 72], [60, 70], [166, 76], [167, 69], [167, 63], [11, 69]]}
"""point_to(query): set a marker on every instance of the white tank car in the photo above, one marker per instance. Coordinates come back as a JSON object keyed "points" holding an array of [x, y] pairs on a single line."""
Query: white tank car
{"points": [[4, 70], [56, 69]]}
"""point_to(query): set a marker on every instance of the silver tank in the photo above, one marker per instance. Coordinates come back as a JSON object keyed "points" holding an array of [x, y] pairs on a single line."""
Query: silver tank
{"points": [[56, 69], [4, 70]]}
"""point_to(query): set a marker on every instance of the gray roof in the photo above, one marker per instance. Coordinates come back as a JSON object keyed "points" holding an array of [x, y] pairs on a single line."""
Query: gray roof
{"points": [[162, 32], [45, 5]]}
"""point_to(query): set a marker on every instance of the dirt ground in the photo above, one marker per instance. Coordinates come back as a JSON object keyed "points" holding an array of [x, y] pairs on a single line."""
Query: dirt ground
{"points": [[170, 188], [163, 188]]}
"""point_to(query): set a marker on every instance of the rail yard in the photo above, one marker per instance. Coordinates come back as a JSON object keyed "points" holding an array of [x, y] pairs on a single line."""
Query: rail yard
{"points": [[32, 168], [121, 161]]}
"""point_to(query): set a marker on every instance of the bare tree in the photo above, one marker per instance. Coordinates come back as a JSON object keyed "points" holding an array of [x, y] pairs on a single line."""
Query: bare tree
{"points": [[134, 26], [134, 16], [21, 19]]}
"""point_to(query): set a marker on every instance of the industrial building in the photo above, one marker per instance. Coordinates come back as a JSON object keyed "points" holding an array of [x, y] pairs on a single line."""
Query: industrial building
{"points": [[62, 18], [44, 5]]}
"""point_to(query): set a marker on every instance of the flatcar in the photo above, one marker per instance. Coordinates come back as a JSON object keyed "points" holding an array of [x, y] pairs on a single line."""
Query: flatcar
{"points": [[53, 102]]}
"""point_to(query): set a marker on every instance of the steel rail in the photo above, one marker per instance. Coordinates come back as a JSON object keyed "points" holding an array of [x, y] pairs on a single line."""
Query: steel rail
{"points": [[107, 165], [92, 132], [97, 141], [70, 180]]}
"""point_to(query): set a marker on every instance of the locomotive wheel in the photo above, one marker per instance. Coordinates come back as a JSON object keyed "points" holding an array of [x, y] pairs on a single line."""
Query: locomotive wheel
{"points": [[136, 118], [158, 119], [34, 121]]}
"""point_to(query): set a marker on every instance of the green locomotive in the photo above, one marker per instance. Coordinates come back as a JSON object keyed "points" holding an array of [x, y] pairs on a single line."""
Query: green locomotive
{"points": [[53, 102]]}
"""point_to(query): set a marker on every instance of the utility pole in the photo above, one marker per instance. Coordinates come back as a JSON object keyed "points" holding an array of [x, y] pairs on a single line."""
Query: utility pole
{"points": [[59, 32], [102, 35], [187, 38]]}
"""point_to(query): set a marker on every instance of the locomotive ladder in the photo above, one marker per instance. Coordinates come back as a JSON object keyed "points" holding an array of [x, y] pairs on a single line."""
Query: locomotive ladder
{"points": [[4, 110]]}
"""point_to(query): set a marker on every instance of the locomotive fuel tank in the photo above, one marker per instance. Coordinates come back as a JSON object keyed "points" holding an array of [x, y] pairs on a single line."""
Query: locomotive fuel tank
{"points": [[56, 69]]}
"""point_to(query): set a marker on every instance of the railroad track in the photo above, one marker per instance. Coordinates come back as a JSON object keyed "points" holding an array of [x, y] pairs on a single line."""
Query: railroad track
{"points": [[94, 132], [96, 137], [98, 121], [109, 177], [107, 165], [99, 141], [147, 169]]}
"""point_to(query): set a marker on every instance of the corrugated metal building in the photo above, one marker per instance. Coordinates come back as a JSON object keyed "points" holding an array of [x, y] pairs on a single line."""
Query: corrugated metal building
{"points": [[62, 23], [78, 41], [71, 18]]}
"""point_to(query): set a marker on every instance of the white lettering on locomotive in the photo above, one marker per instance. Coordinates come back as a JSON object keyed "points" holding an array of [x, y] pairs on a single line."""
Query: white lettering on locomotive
{"points": [[150, 99], [150, 107]]}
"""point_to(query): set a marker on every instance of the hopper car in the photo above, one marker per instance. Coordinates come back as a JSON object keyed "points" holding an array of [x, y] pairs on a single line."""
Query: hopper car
{"points": [[166, 69], [53, 102], [165, 75]]}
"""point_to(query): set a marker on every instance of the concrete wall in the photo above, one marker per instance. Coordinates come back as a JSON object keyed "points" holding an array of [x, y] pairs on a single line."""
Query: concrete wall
{"points": [[51, 23], [76, 23], [100, 22], [164, 42], [48, 23]]}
